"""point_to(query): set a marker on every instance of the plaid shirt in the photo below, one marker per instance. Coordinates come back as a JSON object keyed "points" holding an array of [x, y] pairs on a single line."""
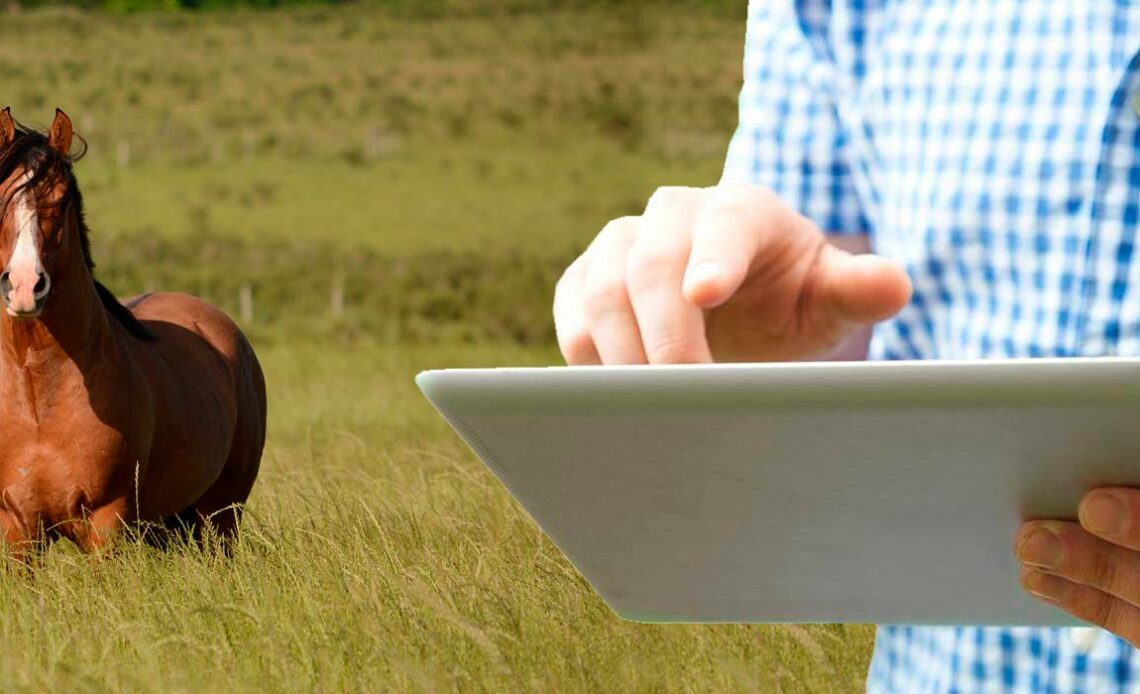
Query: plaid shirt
{"points": [[993, 148]]}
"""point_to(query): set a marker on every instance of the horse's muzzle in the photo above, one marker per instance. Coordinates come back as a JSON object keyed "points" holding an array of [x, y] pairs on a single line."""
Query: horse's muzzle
{"points": [[19, 300]]}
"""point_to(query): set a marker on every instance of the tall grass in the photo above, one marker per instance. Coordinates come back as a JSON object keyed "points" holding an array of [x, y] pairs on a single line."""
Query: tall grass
{"points": [[377, 555]]}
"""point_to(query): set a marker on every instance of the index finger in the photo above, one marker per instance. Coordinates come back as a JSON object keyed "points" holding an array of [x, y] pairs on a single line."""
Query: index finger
{"points": [[734, 226]]}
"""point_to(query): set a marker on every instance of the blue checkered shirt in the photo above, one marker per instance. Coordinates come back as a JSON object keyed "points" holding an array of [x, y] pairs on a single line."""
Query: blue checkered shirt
{"points": [[993, 148]]}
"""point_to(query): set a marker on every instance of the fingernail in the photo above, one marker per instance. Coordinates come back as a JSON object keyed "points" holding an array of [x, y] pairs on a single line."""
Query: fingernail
{"points": [[1040, 584], [1042, 548], [702, 272], [1104, 514]]}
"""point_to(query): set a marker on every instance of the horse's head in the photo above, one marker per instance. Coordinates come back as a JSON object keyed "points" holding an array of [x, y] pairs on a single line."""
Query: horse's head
{"points": [[37, 201]]}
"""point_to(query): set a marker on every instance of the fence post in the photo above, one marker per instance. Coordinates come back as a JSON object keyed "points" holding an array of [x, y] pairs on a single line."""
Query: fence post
{"points": [[336, 298], [245, 299]]}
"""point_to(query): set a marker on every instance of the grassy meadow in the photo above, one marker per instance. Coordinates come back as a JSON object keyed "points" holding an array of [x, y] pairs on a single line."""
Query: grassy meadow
{"points": [[391, 191]]}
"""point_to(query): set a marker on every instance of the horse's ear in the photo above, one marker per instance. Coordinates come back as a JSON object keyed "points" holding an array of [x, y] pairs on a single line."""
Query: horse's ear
{"points": [[7, 127], [61, 133]]}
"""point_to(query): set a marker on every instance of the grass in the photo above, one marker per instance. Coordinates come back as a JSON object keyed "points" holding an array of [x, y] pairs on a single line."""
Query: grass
{"points": [[378, 554], [441, 170], [468, 197]]}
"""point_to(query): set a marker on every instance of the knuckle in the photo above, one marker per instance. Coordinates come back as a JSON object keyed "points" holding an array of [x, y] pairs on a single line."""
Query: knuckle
{"points": [[1091, 605], [719, 211], [744, 201], [650, 264], [1106, 573], [603, 287], [671, 200], [742, 192], [1120, 579], [1111, 614], [561, 287], [567, 290], [622, 227], [604, 295], [671, 349]]}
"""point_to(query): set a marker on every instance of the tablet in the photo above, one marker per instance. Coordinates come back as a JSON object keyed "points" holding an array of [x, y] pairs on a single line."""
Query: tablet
{"points": [[885, 492]]}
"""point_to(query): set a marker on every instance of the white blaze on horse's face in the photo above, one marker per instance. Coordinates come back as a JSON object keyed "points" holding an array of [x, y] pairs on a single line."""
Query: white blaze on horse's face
{"points": [[24, 283]]}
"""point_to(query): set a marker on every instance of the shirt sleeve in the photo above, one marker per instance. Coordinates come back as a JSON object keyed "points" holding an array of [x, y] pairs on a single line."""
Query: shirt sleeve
{"points": [[790, 138]]}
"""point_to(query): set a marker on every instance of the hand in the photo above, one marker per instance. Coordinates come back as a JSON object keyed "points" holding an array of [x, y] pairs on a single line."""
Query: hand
{"points": [[728, 274], [1089, 569]]}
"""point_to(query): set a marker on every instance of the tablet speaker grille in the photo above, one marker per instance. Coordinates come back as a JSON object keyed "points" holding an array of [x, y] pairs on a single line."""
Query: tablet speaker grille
{"points": [[477, 443]]}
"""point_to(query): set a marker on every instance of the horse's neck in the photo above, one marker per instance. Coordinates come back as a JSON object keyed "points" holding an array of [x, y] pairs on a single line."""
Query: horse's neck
{"points": [[74, 327]]}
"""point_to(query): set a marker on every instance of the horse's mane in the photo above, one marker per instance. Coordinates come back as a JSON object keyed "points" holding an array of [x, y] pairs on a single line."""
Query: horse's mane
{"points": [[32, 151]]}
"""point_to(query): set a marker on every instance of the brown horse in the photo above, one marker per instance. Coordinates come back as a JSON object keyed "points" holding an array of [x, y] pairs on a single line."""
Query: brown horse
{"points": [[109, 414]]}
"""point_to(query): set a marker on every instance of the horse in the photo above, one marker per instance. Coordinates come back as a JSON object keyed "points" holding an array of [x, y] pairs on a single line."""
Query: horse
{"points": [[148, 413]]}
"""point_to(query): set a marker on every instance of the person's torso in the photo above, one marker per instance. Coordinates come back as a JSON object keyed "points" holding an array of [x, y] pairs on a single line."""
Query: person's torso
{"points": [[993, 147], [997, 154]]}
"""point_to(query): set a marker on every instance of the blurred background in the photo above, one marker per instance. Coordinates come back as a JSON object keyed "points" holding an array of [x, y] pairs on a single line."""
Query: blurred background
{"points": [[373, 189], [436, 163]]}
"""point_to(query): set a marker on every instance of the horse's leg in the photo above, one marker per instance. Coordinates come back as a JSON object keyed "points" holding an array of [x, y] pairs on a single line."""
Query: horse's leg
{"points": [[164, 534], [20, 536], [220, 508], [18, 540], [101, 526], [219, 511]]}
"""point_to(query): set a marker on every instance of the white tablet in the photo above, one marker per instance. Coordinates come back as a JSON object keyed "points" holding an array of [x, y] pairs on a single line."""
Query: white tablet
{"points": [[882, 492]]}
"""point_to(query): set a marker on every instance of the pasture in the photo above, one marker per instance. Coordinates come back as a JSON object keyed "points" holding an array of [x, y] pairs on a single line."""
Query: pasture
{"points": [[390, 192]]}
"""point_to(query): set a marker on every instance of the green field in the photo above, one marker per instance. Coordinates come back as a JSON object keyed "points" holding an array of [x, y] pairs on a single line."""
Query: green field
{"points": [[428, 176]]}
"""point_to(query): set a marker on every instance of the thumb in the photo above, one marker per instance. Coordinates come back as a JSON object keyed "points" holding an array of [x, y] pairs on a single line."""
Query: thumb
{"points": [[858, 288]]}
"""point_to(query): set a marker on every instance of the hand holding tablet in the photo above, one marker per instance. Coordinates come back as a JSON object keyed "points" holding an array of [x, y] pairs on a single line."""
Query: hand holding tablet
{"points": [[1089, 568]]}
